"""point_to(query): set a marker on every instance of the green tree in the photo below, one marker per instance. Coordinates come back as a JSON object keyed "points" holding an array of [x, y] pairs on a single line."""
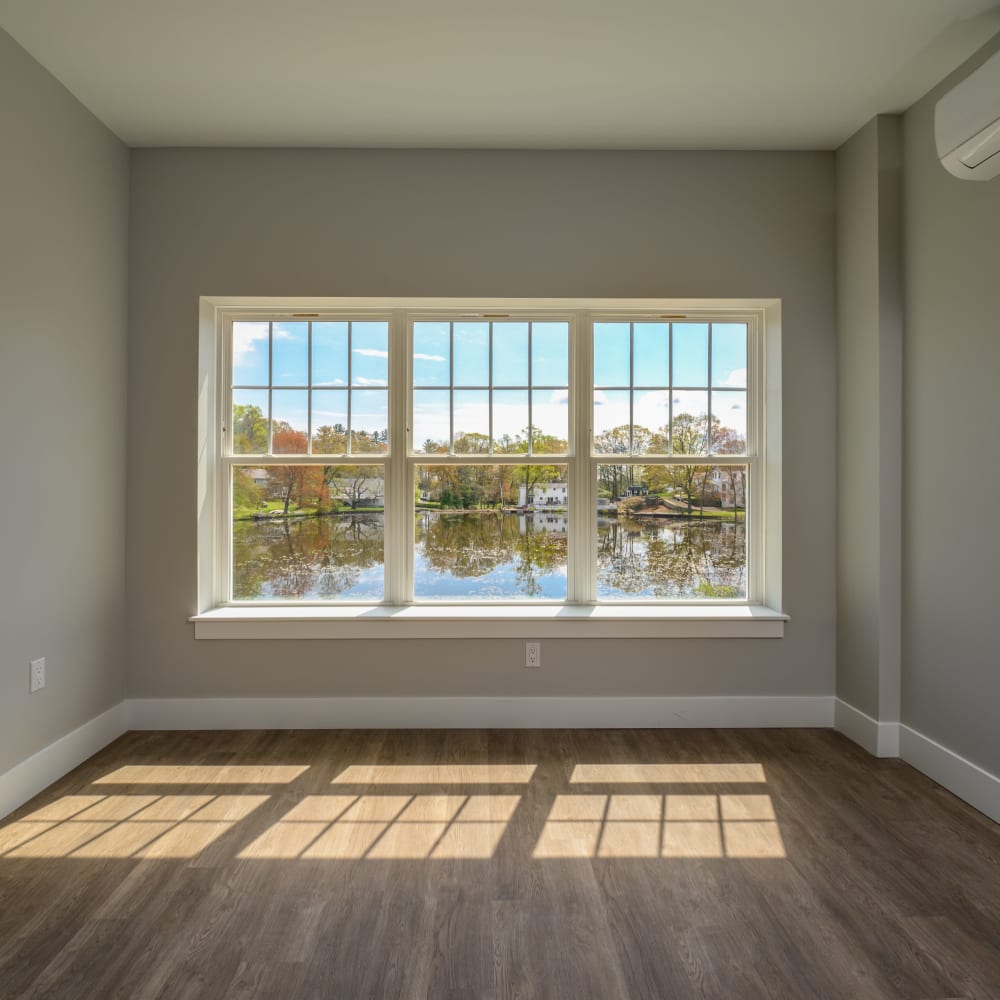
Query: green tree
{"points": [[246, 493], [249, 430]]}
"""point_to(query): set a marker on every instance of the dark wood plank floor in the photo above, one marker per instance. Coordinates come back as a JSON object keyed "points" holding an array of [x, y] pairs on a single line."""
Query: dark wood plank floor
{"points": [[733, 864]]}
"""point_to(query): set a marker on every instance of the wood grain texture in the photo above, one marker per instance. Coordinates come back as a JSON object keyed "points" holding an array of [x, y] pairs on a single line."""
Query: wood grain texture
{"points": [[497, 864]]}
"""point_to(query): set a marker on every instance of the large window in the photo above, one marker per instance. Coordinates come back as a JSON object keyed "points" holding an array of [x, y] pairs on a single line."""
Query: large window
{"points": [[573, 455]]}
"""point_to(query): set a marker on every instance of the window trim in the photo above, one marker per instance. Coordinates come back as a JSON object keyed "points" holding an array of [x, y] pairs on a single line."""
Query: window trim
{"points": [[760, 615]]}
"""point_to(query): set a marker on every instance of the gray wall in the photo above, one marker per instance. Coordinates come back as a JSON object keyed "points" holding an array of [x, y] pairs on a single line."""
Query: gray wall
{"points": [[63, 283], [951, 678], [294, 222], [869, 347]]}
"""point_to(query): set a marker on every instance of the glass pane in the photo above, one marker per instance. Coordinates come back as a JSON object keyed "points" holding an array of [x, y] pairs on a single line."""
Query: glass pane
{"points": [[249, 429], [550, 354], [729, 422], [651, 352], [472, 421], [369, 420], [329, 347], [250, 354], [370, 353], [690, 346], [611, 354], [308, 533], [431, 420], [510, 420], [690, 423], [491, 532], [329, 421], [651, 415], [290, 353], [550, 421], [729, 355], [290, 416], [678, 534], [611, 421], [510, 354], [472, 354], [431, 354]]}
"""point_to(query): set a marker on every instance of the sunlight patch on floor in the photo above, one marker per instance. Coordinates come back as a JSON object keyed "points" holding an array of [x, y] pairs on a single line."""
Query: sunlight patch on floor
{"points": [[203, 774], [662, 774], [388, 827], [435, 774], [660, 826], [126, 826], [388, 813]]}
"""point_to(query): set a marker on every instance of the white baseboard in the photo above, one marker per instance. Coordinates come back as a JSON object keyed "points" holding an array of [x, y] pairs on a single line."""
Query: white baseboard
{"points": [[27, 779], [471, 713], [880, 739], [960, 776], [966, 780]]}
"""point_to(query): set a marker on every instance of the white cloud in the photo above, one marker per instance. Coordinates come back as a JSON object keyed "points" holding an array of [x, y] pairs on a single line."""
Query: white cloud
{"points": [[246, 336], [361, 380], [737, 378], [371, 352], [424, 357]]}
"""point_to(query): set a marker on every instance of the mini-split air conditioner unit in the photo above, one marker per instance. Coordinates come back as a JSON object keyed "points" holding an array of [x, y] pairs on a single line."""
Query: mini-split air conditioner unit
{"points": [[967, 124]]}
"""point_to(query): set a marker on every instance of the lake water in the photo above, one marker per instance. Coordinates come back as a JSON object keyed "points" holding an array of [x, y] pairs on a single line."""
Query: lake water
{"points": [[486, 556]]}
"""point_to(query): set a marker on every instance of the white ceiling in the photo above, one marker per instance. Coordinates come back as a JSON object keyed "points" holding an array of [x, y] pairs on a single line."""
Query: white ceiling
{"points": [[643, 74]]}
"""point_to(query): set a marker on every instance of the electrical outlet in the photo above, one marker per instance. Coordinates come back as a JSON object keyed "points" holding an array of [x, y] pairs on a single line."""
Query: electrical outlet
{"points": [[532, 654], [37, 675]]}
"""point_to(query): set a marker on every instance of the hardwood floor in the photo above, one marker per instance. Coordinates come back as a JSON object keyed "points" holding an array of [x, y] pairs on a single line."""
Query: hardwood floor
{"points": [[602, 864]]}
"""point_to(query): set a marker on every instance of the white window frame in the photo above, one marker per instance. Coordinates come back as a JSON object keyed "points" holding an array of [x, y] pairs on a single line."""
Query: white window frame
{"points": [[760, 615]]}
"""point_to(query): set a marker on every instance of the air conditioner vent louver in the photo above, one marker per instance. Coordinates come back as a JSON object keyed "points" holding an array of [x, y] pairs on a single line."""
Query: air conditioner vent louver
{"points": [[967, 124]]}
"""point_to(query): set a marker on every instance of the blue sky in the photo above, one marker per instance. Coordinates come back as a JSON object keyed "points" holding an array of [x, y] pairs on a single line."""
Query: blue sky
{"points": [[433, 345], [462, 350], [651, 351], [366, 344]]}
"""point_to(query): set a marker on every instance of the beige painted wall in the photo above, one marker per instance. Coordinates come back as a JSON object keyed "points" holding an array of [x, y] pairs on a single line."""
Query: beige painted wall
{"points": [[294, 222], [951, 678], [63, 283]]}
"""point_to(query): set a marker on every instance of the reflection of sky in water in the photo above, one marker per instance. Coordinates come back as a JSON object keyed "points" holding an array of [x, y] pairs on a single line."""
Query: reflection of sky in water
{"points": [[336, 558], [521, 558], [368, 586], [670, 559], [514, 578]]}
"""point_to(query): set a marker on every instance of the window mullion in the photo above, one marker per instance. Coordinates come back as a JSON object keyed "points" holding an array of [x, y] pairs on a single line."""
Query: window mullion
{"points": [[223, 526], [398, 518], [583, 504]]}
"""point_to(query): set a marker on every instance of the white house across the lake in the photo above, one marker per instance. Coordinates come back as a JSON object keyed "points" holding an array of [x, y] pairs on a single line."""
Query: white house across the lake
{"points": [[552, 495]]}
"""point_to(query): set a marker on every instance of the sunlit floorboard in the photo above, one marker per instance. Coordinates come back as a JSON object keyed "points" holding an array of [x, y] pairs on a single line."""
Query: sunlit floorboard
{"points": [[491, 864]]}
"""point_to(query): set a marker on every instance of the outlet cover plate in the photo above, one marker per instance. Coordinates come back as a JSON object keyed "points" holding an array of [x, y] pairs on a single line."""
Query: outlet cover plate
{"points": [[37, 675]]}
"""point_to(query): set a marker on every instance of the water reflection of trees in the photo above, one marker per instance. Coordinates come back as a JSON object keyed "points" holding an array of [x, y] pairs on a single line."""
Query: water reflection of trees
{"points": [[323, 558], [675, 559], [317, 557], [472, 545]]}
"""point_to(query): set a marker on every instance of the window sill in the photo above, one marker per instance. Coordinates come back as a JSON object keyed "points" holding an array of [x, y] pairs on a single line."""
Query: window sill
{"points": [[450, 621]]}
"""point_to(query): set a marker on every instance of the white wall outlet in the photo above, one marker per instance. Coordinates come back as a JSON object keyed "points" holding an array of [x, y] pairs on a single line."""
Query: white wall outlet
{"points": [[533, 654], [37, 674]]}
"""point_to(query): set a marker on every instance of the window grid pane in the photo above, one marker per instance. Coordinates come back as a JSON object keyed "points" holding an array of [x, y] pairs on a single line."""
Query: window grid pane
{"points": [[490, 532], [671, 532], [487, 364], [307, 533], [300, 366], [669, 388]]}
